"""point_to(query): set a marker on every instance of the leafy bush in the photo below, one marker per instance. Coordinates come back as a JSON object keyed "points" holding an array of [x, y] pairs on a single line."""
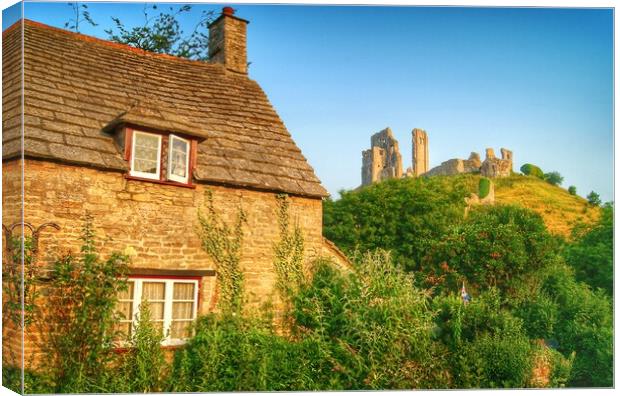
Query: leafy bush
{"points": [[532, 170], [554, 178], [497, 246], [78, 322], [402, 216], [584, 326], [487, 345], [142, 367], [594, 199], [233, 353], [572, 190], [484, 186], [591, 253]]}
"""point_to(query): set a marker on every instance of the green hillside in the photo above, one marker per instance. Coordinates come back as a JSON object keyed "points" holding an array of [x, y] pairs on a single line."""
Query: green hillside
{"points": [[560, 210]]}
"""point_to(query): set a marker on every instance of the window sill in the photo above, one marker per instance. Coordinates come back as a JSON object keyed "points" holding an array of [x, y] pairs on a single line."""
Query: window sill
{"points": [[172, 347], [164, 182]]}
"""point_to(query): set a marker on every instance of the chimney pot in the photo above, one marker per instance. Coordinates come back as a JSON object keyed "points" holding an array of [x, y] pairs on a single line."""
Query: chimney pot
{"points": [[228, 11]]}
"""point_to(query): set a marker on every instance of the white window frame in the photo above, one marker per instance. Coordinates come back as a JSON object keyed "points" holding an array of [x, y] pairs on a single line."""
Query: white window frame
{"points": [[168, 300], [145, 175], [187, 154]]}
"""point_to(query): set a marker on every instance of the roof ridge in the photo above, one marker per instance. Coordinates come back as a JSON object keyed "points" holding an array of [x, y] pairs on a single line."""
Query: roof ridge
{"points": [[112, 44]]}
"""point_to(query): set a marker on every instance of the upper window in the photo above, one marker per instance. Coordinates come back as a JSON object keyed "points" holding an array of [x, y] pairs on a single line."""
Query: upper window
{"points": [[173, 304], [146, 151], [166, 158]]}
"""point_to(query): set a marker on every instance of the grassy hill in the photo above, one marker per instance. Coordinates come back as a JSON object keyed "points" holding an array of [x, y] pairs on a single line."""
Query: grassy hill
{"points": [[560, 210]]}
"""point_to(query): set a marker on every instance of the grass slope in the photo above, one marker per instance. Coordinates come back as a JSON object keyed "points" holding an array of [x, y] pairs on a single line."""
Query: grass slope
{"points": [[560, 210]]}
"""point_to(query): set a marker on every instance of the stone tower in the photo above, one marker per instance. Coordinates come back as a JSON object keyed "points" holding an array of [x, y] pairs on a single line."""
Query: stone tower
{"points": [[383, 160], [420, 151]]}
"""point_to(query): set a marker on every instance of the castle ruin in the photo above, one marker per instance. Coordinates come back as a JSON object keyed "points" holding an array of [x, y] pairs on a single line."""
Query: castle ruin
{"points": [[383, 160], [419, 150]]}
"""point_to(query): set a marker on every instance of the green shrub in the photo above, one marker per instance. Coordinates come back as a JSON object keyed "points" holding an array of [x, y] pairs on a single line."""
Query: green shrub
{"points": [[554, 178], [498, 246], [584, 326], [78, 322], [232, 353], [142, 367], [376, 325], [532, 170], [572, 190], [484, 186], [591, 253], [402, 216], [487, 345], [594, 199]]}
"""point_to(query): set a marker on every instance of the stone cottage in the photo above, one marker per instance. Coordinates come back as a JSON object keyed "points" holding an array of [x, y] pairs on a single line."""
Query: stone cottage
{"points": [[135, 138]]}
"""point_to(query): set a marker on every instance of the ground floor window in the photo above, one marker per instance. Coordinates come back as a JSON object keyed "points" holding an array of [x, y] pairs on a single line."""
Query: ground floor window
{"points": [[173, 304]]}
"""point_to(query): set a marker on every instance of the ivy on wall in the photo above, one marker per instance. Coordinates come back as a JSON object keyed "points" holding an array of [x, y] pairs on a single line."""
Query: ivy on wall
{"points": [[223, 242]]}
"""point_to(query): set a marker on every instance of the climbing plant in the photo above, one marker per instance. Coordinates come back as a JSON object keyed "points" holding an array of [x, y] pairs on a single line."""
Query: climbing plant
{"points": [[288, 252], [222, 242]]}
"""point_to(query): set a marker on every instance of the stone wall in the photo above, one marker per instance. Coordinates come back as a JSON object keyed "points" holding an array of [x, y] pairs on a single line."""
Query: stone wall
{"points": [[495, 167], [157, 221], [383, 160], [456, 166]]}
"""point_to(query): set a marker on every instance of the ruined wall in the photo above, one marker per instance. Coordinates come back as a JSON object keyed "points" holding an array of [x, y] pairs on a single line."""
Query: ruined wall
{"points": [[419, 139], [159, 222], [457, 166], [383, 160], [495, 167]]}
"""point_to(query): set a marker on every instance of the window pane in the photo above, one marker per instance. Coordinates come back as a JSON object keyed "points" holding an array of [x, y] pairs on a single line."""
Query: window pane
{"points": [[180, 330], [126, 294], [153, 290], [178, 157], [182, 310], [123, 331], [157, 311], [147, 141], [145, 166], [125, 309], [183, 291]]}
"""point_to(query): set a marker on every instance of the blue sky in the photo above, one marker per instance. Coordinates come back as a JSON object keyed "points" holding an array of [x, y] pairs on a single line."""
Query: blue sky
{"points": [[538, 81]]}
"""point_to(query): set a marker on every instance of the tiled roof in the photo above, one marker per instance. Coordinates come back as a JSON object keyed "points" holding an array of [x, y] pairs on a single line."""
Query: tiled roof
{"points": [[75, 86]]}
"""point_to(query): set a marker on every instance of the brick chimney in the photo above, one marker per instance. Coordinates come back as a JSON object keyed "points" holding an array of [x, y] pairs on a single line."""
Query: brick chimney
{"points": [[227, 41]]}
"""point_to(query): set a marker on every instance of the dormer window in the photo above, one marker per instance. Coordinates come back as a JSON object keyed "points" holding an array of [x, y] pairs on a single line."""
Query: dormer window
{"points": [[159, 145], [161, 157]]}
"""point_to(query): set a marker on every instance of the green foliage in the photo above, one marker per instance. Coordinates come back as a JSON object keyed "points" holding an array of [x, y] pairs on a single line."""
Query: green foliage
{"points": [[572, 190], [591, 253], [554, 178], [143, 367], [375, 324], [232, 353], [161, 33], [594, 199], [223, 244], [487, 345], [540, 314], [78, 321], [532, 170], [403, 216], [584, 326], [498, 246], [288, 252], [484, 186]]}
